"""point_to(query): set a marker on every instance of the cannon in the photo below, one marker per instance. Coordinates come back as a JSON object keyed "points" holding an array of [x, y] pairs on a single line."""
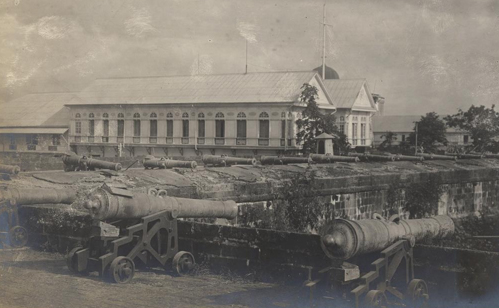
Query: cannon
{"points": [[276, 160], [8, 169], [10, 199], [400, 157], [163, 163], [139, 227], [395, 239], [83, 163], [327, 159], [466, 156], [225, 160], [436, 157], [373, 157]]}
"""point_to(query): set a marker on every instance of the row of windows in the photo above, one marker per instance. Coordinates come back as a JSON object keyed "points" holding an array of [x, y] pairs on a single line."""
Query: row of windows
{"points": [[32, 139], [264, 128], [362, 119], [184, 115]]}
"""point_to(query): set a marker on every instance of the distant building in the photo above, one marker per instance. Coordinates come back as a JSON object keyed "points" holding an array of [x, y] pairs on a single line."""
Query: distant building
{"points": [[403, 126], [35, 123]]}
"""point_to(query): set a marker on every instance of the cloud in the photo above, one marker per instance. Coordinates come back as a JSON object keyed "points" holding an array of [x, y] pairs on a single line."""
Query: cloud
{"points": [[55, 27], [140, 23], [247, 31]]}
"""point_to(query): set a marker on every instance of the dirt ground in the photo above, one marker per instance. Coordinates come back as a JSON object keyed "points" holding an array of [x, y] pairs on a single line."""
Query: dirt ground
{"points": [[30, 278]]}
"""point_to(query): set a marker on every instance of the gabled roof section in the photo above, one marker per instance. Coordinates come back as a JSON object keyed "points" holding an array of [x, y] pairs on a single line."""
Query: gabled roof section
{"points": [[345, 93], [36, 110], [274, 87]]}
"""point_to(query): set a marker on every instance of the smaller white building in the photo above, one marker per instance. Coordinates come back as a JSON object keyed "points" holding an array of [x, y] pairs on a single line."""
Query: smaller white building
{"points": [[403, 126]]}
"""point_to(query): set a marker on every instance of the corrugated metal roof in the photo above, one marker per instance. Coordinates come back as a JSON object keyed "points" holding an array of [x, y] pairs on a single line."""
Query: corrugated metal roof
{"points": [[343, 92], [33, 130], [401, 123], [228, 88], [37, 109]]}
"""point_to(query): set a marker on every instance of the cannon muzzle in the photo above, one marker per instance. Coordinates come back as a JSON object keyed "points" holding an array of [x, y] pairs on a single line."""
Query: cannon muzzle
{"points": [[111, 203], [344, 239], [26, 196], [9, 169]]}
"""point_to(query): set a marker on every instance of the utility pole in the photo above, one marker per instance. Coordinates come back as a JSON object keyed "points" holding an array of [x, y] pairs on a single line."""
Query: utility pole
{"points": [[416, 153], [324, 42], [246, 71]]}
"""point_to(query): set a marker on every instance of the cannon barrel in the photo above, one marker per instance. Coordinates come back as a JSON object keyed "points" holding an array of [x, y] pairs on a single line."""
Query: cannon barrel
{"points": [[369, 157], [326, 159], [9, 169], [436, 157], [84, 163], [408, 158], [275, 160], [121, 204], [100, 164], [464, 156], [26, 196], [227, 161], [168, 163], [344, 239]]}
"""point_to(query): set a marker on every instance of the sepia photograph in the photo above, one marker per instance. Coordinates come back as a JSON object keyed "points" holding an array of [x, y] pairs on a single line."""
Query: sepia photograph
{"points": [[249, 153]]}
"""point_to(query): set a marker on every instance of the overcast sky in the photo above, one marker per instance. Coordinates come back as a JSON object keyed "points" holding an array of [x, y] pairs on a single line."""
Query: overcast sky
{"points": [[426, 55]]}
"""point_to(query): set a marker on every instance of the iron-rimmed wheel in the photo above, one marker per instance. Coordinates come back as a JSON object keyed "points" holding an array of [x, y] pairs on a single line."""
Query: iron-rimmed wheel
{"points": [[122, 270], [18, 236], [72, 261], [375, 298], [183, 262], [417, 293]]}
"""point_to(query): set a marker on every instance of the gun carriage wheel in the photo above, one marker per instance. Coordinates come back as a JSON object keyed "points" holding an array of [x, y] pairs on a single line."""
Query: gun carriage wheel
{"points": [[417, 293], [183, 262], [18, 236], [375, 298], [122, 270], [72, 261]]}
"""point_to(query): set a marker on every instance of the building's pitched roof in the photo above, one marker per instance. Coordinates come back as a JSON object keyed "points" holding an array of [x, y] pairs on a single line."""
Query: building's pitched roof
{"points": [[326, 136], [344, 92], [37, 109], [273, 87], [400, 123]]}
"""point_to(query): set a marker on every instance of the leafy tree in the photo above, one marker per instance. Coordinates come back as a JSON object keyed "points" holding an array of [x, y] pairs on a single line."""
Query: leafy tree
{"points": [[314, 122], [421, 199], [389, 137], [431, 131], [481, 123]]}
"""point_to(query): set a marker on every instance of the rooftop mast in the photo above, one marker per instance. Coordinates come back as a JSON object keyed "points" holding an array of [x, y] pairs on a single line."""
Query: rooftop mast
{"points": [[324, 42]]}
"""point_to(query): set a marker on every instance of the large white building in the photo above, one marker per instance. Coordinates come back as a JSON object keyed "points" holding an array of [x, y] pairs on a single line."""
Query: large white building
{"points": [[235, 114]]}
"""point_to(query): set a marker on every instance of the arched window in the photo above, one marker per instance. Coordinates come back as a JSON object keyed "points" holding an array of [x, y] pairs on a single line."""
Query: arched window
{"points": [[169, 127], [77, 115], [241, 129], [91, 115], [219, 129], [264, 131], [201, 128], [136, 115], [185, 128], [136, 128], [105, 115], [121, 127], [121, 115], [153, 128], [153, 115], [169, 115]]}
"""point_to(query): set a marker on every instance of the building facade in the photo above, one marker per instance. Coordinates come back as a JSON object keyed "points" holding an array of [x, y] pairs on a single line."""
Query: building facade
{"points": [[35, 123], [238, 114]]}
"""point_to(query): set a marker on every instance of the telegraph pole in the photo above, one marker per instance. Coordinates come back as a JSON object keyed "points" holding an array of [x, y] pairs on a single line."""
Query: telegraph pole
{"points": [[416, 153], [324, 42]]}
